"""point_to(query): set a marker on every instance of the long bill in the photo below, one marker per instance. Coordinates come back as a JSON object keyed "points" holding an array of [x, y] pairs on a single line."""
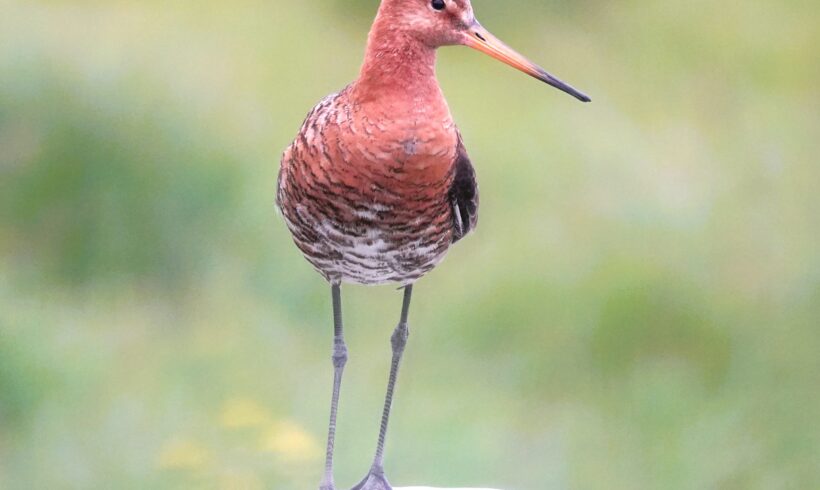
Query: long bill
{"points": [[479, 38]]}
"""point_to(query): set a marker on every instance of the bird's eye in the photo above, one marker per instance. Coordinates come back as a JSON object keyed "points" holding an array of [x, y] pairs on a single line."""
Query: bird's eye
{"points": [[438, 4]]}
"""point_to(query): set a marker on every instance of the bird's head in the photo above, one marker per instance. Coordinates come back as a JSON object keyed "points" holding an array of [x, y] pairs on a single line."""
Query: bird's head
{"points": [[452, 22]]}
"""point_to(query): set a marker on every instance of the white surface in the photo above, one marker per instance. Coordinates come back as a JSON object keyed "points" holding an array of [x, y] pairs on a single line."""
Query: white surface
{"points": [[439, 488]]}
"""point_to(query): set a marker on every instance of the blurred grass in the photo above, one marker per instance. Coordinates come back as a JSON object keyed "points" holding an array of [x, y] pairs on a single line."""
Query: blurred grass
{"points": [[638, 308]]}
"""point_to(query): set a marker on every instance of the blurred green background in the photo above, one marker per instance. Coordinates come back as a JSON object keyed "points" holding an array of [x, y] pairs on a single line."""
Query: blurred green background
{"points": [[638, 309]]}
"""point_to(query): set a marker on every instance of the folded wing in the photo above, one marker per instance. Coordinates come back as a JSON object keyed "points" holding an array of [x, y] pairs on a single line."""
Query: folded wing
{"points": [[463, 195]]}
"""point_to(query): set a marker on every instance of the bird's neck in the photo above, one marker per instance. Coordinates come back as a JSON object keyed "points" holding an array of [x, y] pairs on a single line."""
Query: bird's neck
{"points": [[397, 65]]}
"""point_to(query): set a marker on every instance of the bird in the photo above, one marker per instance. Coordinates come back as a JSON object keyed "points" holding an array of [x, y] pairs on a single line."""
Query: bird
{"points": [[377, 185]]}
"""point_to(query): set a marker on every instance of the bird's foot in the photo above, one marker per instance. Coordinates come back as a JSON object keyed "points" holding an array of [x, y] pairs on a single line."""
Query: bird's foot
{"points": [[327, 486], [374, 480]]}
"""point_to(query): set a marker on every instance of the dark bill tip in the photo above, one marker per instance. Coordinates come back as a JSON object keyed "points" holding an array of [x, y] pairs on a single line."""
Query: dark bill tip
{"points": [[564, 87]]}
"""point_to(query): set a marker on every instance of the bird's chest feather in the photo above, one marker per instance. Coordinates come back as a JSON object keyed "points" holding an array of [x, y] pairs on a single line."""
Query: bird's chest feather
{"points": [[369, 165], [364, 190], [409, 144]]}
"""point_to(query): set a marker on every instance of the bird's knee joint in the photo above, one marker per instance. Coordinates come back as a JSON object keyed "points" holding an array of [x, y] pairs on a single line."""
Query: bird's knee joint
{"points": [[399, 337], [339, 355]]}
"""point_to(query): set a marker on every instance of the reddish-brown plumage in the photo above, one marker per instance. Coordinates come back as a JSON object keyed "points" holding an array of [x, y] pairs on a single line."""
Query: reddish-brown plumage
{"points": [[366, 186]]}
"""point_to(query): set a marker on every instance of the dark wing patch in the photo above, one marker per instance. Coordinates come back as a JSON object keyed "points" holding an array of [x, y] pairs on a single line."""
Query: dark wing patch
{"points": [[463, 195]]}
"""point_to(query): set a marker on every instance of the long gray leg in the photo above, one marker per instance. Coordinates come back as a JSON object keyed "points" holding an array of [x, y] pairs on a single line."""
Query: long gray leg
{"points": [[339, 360], [375, 479]]}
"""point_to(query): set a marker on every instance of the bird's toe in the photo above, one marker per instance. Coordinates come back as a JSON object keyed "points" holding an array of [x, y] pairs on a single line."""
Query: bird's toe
{"points": [[373, 482]]}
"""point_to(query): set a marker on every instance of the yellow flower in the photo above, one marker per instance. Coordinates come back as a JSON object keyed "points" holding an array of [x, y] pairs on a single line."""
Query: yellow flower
{"points": [[291, 442]]}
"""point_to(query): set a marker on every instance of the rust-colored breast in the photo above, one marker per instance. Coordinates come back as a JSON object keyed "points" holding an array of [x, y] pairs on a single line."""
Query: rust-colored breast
{"points": [[364, 188]]}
